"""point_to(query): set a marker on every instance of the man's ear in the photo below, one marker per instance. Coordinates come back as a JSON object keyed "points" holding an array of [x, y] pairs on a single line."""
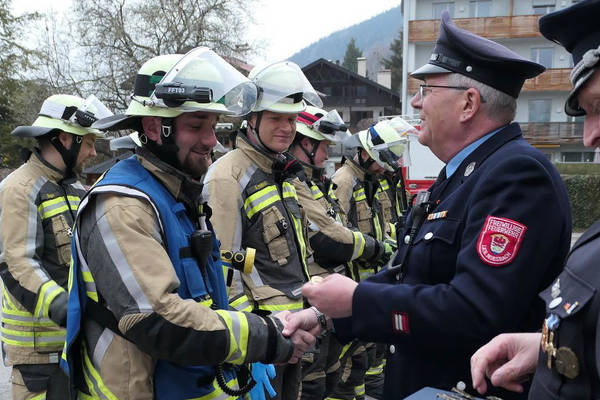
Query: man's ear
{"points": [[66, 139], [152, 126], [471, 104]]}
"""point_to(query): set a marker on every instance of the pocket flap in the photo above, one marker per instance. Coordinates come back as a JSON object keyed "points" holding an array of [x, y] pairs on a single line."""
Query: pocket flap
{"points": [[571, 295], [443, 229]]}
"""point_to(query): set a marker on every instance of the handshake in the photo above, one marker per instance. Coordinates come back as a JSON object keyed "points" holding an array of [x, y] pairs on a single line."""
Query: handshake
{"points": [[331, 298]]}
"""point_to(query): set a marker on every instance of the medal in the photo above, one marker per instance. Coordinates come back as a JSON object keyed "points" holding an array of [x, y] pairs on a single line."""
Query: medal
{"points": [[567, 363]]}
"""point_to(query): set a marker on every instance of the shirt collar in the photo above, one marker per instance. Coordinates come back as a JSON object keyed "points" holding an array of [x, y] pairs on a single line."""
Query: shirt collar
{"points": [[455, 162]]}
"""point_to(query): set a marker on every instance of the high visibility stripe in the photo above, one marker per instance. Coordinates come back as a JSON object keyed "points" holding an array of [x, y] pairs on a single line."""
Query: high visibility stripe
{"points": [[93, 379], [50, 208], [364, 273], [392, 230], [23, 318], [383, 185], [289, 191], [316, 192], [359, 194], [241, 303], [344, 350], [260, 200], [40, 396], [359, 244], [237, 325], [217, 393], [88, 279], [33, 339], [377, 226], [48, 292], [359, 390], [298, 305]]}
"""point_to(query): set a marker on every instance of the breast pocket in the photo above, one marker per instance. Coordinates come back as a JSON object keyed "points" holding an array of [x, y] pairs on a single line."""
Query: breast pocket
{"points": [[62, 237], [275, 227], [364, 217], [437, 244]]}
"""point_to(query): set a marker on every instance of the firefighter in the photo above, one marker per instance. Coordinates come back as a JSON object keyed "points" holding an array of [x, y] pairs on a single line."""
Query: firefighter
{"points": [[331, 242], [360, 198], [148, 313], [254, 203], [38, 204]]}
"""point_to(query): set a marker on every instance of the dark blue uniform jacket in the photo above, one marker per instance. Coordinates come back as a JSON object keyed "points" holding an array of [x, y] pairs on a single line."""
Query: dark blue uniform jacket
{"points": [[498, 234]]}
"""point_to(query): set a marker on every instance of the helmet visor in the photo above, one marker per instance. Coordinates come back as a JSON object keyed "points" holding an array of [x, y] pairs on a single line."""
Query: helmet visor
{"points": [[203, 81], [392, 156], [284, 82], [89, 112], [332, 127]]}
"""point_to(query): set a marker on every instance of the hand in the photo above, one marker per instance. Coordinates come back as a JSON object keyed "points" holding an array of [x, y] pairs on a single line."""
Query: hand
{"points": [[262, 374], [303, 341], [332, 296], [506, 360], [305, 320]]}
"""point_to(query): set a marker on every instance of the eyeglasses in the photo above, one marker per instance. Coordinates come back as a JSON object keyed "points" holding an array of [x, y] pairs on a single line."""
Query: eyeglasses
{"points": [[422, 91]]}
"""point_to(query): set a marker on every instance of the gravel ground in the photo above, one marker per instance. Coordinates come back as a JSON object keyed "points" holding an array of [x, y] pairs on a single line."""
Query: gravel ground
{"points": [[5, 372]]}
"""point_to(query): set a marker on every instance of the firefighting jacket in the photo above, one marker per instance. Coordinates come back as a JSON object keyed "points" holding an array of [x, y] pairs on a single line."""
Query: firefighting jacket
{"points": [[133, 259], [37, 210], [388, 201], [357, 192], [255, 205], [332, 244]]}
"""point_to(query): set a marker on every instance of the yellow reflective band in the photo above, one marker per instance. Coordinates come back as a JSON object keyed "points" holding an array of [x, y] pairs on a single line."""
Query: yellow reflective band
{"points": [[392, 230], [289, 191], [260, 200], [302, 244], [23, 318], [7, 301], [364, 273], [377, 225], [375, 370], [241, 304], [359, 390], [33, 339], [237, 325], [90, 285], [298, 305], [93, 379], [50, 208], [316, 192], [218, 394], [359, 194], [344, 350], [48, 292], [40, 396], [359, 244], [383, 185]]}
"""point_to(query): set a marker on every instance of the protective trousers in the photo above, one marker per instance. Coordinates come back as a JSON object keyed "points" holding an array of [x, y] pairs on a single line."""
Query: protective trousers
{"points": [[353, 366], [321, 370]]}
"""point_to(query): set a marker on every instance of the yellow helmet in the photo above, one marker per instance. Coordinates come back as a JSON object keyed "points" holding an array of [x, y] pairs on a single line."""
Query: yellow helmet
{"points": [[385, 142], [170, 85], [283, 88], [66, 113]]}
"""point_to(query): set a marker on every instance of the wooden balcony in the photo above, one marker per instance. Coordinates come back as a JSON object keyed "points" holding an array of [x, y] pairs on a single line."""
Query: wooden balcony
{"points": [[554, 79], [518, 26], [557, 133]]}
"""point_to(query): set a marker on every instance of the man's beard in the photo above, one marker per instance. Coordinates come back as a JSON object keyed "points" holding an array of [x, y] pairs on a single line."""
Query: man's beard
{"points": [[196, 169]]}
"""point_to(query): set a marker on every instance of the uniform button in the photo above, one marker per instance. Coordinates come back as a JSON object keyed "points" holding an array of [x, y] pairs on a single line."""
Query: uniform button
{"points": [[406, 239], [428, 235], [392, 349]]}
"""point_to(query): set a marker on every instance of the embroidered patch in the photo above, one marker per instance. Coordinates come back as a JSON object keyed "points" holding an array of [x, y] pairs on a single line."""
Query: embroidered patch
{"points": [[499, 240], [400, 322]]}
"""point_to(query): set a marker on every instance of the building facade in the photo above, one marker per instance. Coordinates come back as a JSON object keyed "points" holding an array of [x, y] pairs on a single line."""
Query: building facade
{"points": [[514, 24]]}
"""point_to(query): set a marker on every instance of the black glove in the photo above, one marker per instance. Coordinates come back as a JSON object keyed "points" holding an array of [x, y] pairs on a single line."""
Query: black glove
{"points": [[58, 310]]}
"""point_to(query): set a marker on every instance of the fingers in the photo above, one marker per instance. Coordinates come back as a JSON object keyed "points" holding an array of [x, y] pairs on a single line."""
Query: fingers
{"points": [[303, 342], [483, 358]]}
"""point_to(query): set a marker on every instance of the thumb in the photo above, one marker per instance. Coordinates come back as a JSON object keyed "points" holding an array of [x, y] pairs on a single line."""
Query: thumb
{"points": [[290, 327], [308, 289]]}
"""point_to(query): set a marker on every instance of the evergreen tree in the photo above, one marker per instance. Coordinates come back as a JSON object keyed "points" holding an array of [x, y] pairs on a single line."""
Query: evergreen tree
{"points": [[352, 53], [394, 62]]}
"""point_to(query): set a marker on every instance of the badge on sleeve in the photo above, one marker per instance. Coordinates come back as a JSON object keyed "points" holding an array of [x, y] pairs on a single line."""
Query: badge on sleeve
{"points": [[400, 322], [499, 240]]}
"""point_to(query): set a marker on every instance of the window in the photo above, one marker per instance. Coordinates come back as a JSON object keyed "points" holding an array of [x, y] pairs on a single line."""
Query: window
{"points": [[327, 90], [541, 7], [577, 156], [438, 8], [539, 110], [480, 8], [543, 55], [361, 91]]}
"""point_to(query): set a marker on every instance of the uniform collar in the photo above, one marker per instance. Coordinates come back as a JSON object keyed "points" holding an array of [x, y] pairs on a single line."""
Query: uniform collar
{"points": [[46, 169], [356, 169], [455, 162]]}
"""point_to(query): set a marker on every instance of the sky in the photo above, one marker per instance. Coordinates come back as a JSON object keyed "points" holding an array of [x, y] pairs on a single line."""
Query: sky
{"points": [[283, 26]]}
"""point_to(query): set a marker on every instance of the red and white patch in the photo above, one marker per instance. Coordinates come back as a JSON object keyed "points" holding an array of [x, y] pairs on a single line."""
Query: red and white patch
{"points": [[499, 240], [400, 322]]}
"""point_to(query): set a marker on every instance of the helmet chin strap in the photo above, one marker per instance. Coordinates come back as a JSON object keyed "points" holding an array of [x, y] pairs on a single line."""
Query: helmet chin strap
{"points": [[311, 154], [256, 134], [167, 151], [365, 164], [69, 156]]}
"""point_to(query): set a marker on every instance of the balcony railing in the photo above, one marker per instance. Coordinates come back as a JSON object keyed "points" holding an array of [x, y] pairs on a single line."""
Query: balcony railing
{"points": [[552, 132], [553, 79], [518, 26]]}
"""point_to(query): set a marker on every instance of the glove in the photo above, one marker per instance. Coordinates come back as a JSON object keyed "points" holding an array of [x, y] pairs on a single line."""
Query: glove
{"points": [[262, 374]]}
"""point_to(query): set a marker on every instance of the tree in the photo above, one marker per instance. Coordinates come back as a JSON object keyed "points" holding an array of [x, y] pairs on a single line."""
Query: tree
{"points": [[103, 43], [394, 62], [352, 53], [16, 91]]}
